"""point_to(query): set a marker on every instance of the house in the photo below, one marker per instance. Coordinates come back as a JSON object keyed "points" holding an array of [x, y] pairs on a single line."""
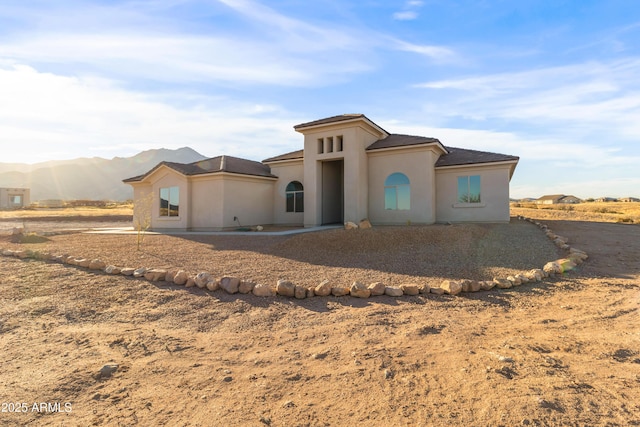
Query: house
{"points": [[349, 169], [553, 199], [606, 199], [14, 198], [629, 199]]}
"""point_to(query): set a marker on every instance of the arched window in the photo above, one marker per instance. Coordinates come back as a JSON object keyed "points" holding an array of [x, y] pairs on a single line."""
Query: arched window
{"points": [[295, 197], [397, 194]]}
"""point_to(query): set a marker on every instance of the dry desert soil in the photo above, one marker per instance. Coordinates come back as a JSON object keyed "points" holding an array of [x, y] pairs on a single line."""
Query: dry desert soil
{"points": [[83, 348]]}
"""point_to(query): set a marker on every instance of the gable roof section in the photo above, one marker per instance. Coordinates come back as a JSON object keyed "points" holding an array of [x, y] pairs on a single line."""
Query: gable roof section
{"points": [[217, 164], [294, 155], [397, 140], [338, 119], [462, 156]]}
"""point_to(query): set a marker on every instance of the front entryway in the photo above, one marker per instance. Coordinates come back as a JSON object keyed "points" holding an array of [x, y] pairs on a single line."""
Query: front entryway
{"points": [[332, 192]]}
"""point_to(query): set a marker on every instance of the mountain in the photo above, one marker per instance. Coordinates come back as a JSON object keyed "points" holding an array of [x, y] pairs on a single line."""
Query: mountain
{"points": [[88, 178]]}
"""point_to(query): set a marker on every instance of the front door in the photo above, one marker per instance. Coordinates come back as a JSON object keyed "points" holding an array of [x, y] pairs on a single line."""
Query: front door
{"points": [[333, 192]]}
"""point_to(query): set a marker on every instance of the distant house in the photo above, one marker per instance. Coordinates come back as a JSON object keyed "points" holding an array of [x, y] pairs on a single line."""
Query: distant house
{"points": [[350, 169], [629, 199], [14, 198], [554, 199], [606, 199]]}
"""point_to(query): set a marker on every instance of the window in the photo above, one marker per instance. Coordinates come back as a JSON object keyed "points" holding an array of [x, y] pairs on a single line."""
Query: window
{"points": [[397, 195], [295, 197], [16, 200], [339, 143], [320, 145], [469, 189], [169, 201]]}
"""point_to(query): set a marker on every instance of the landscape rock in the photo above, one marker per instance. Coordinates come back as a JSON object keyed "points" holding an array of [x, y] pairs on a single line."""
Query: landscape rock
{"points": [[359, 290], [350, 225], [502, 283], [436, 291], [451, 287], [246, 286], [523, 279], [112, 269], [376, 288], [552, 268], [84, 262], [466, 285], [191, 282], [202, 279], [139, 272], [393, 291], [311, 293], [230, 284], [285, 288], [425, 289], [171, 274], [410, 289], [535, 275], [339, 291], [262, 290], [180, 278], [487, 285], [127, 271], [106, 371], [566, 265], [300, 292], [212, 285], [515, 281], [475, 286], [323, 289], [97, 264], [364, 224], [155, 275]]}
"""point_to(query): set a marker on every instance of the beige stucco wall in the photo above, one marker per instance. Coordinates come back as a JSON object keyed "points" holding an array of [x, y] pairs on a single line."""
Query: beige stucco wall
{"points": [[206, 203], [417, 164], [247, 198], [494, 194], [286, 172], [356, 137], [6, 195]]}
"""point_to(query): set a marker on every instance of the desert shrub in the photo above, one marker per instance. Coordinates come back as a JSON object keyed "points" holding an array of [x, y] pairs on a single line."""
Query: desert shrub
{"points": [[28, 238], [626, 220]]}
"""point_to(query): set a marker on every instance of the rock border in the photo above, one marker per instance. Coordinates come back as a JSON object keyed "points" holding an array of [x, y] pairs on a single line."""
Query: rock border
{"points": [[286, 288]]}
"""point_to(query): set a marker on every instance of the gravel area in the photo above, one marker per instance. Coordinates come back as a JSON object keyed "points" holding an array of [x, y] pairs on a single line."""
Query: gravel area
{"points": [[393, 255]]}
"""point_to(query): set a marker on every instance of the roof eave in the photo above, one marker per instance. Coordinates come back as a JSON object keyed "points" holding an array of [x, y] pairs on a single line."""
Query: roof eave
{"points": [[304, 127], [408, 146], [513, 163]]}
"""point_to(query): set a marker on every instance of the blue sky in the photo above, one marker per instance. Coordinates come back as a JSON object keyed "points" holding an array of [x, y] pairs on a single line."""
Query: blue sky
{"points": [[554, 82]]}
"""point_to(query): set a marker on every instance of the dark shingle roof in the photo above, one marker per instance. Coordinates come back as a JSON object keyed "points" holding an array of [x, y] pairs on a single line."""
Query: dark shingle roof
{"points": [[298, 154], [337, 119], [462, 156], [332, 119], [397, 140], [217, 164]]}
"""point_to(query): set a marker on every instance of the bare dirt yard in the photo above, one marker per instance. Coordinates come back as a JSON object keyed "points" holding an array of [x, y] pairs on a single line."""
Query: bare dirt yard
{"points": [[97, 349]]}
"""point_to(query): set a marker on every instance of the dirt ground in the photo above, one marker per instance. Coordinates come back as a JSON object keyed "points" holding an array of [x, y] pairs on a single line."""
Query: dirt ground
{"points": [[565, 352]]}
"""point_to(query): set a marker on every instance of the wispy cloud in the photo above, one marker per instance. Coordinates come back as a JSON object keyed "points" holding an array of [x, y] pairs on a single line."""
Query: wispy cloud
{"points": [[591, 98], [409, 11], [70, 112]]}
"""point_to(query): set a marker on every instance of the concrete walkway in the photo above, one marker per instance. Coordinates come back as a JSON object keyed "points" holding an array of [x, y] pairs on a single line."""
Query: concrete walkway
{"points": [[131, 230]]}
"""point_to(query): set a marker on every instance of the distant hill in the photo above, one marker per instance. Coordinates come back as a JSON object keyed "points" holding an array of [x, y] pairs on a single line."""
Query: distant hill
{"points": [[88, 178]]}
